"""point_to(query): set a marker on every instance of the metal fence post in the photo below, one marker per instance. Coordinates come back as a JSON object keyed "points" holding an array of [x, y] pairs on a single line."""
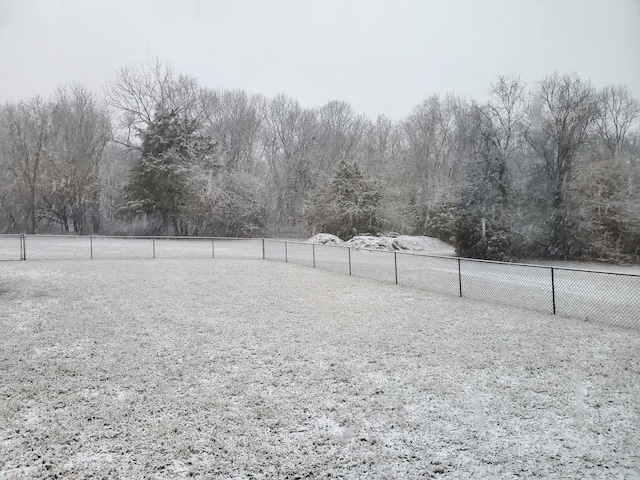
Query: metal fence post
{"points": [[263, 256], [313, 250], [91, 245], [286, 254], [349, 248], [24, 246], [553, 291], [21, 246], [395, 264], [154, 247], [213, 248], [459, 278]]}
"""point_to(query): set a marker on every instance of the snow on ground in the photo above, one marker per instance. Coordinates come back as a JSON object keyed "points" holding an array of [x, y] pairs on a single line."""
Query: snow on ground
{"points": [[425, 245], [325, 239], [253, 369]]}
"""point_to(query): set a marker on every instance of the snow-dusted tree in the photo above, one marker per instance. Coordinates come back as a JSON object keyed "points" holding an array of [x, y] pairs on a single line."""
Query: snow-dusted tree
{"points": [[139, 91], [429, 130], [288, 140], [348, 205], [80, 131], [223, 203], [233, 121], [501, 145], [611, 215], [561, 120], [339, 136], [25, 131], [157, 185], [482, 225], [618, 112]]}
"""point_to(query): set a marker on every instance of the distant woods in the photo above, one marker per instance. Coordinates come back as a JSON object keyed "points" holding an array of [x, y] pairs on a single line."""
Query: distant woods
{"points": [[549, 170]]}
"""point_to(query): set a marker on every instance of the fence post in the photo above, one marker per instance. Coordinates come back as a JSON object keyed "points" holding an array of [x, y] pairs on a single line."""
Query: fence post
{"points": [[213, 249], [313, 250], [263, 256], [21, 242], [154, 247], [459, 278], [91, 245], [24, 246], [395, 264], [349, 248], [286, 254], [553, 291]]}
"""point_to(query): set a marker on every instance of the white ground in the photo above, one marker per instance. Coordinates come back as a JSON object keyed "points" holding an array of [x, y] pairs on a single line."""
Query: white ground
{"points": [[253, 369]]}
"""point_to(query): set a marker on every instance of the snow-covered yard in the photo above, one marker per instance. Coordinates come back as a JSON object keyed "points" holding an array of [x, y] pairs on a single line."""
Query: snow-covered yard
{"points": [[252, 369]]}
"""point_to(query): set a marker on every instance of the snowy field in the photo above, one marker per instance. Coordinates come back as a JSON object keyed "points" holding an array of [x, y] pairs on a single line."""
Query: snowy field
{"points": [[251, 369]]}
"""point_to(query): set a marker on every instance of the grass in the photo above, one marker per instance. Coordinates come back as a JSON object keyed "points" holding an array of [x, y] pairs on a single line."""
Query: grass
{"points": [[253, 369]]}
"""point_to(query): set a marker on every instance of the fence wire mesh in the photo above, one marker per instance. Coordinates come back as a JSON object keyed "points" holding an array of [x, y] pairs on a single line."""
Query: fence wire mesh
{"points": [[589, 295], [436, 274], [333, 258], [522, 286], [10, 247], [373, 264], [605, 297], [300, 253], [274, 250], [67, 247]]}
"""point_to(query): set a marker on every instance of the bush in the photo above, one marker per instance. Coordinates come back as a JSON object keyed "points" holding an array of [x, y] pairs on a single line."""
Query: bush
{"points": [[348, 205], [500, 242]]}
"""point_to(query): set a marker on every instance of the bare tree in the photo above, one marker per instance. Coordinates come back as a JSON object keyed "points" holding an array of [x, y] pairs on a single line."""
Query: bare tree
{"points": [[384, 146], [288, 139], [618, 111], [340, 133], [561, 121], [430, 132], [501, 134], [25, 130], [81, 129], [139, 91], [233, 121]]}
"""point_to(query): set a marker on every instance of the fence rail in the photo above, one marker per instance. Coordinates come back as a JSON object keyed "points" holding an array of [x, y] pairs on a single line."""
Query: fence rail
{"points": [[606, 297]]}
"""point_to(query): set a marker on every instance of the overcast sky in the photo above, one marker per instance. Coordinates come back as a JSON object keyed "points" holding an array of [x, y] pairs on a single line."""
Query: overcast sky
{"points": [[382, 56]]}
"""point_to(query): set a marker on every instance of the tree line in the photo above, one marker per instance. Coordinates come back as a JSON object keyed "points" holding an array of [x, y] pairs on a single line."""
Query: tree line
{"points": [[549, 170]]}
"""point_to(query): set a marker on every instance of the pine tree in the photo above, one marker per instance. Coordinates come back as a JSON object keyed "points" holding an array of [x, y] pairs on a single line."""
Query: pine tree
{"points": [[348, 205], [157, 186]]}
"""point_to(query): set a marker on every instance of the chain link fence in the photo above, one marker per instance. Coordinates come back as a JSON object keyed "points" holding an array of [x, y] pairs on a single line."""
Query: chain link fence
{"points": [[604, 297], [67, 247]]}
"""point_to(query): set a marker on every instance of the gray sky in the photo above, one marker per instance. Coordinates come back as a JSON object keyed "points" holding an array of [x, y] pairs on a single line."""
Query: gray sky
{"points": [[382, 56]]}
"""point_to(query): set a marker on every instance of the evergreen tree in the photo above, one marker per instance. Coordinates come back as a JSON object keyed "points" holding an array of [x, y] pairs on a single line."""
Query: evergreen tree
{"points": [[157, 186], [348, 205]]}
